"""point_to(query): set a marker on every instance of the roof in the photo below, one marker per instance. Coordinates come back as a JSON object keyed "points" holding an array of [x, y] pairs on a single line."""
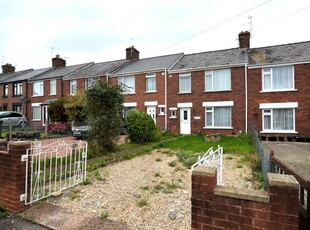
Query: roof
{"points": [[211, 59], [60, 72], [149, 64], [26, 75], [97, 69], [4, 78], [288, 53]]}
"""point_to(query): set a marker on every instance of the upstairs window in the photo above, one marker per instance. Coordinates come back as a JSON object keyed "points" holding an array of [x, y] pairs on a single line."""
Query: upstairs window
{"points": [[89, 82], [38, 88], [53, 87], [278, 78], [73, 87], [217, 80], [17, 89], [128, 83], [5, 90], [185, 83], [150, 83]]}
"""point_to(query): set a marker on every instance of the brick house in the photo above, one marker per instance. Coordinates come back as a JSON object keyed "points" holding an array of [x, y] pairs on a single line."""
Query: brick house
{"points": [[145, 83]]}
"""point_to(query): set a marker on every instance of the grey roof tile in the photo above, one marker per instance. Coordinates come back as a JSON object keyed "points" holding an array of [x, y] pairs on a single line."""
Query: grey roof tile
{"points": [[5, 78], [59, 72], [211, 59], [149, 64], [97, 69], [26, 76], [287, 53]]}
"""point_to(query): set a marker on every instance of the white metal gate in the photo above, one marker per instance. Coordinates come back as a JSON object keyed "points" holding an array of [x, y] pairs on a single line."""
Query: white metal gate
{"points": [[214, 159], [52, 168]]}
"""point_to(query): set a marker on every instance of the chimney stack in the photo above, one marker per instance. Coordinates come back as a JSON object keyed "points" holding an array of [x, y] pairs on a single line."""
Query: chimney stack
{"points": [[244, 40], [132, 53], [58, 62], [8, 68]]}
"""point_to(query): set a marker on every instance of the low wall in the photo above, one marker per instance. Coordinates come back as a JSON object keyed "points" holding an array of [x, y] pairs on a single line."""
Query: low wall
{"points": [[12, 176], [220, 207]]}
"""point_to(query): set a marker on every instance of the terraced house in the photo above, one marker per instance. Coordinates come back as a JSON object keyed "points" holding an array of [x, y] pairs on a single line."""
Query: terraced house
{"points": [[224, 91]]}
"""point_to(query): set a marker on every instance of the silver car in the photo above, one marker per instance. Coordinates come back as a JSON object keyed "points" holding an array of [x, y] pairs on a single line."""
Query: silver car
{"points": [[13, 118]]}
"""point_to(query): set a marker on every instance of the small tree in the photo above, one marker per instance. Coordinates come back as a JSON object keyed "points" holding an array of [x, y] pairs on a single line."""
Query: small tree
{"points": [[103, 105], [75, 107], [56, 111], [140, 126]]}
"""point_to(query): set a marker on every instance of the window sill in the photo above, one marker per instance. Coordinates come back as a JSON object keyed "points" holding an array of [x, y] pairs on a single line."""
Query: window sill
{"points": [[218, 91], [17, 95], [37, 95], [184, 92], [36, 120], [279, 131], [172, 117], [52, 94], [219, 127], [161, 114], [277, 91], [151, 91]]}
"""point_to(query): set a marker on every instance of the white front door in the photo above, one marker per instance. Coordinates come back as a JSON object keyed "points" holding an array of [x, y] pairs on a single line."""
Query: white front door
{"points": [[151, 110], [44, 115], [185, 120]]}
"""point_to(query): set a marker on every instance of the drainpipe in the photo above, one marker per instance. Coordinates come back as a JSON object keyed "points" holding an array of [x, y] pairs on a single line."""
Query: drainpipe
{"points": [[246, 96], [107, 78], [166, 117]]}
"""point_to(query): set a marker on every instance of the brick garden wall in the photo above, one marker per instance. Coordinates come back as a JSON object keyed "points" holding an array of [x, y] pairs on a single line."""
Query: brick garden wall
{"points": [[220, 207], [12, 176]]}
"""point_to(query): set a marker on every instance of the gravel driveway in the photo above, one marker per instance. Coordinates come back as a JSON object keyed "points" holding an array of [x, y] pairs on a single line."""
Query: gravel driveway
{"points": [[148, 192]]}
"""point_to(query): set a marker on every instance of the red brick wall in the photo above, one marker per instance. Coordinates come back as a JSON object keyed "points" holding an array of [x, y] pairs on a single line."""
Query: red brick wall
{"points": [[198, 96], [12, 177], [302, 96], [220, 207]]}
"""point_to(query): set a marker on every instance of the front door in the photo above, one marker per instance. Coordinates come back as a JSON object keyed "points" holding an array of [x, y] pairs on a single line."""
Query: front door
{"points": [[44, 115], [151, 110], [185, 120]]}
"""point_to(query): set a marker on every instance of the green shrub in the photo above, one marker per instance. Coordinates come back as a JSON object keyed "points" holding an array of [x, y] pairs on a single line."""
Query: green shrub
{"points": [[140, 126]]}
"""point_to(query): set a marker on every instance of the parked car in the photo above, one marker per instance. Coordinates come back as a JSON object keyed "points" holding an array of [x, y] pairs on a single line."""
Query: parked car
{"points": [[13, 118], [80, 132]]}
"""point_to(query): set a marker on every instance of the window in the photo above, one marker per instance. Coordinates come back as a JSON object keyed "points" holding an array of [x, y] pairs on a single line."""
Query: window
{"points": [[150, 83], [36, 113], [173, 112], [53, 87], [17, 89], [216, 80], [5, 90], [17, 108], [185, 83], [218, 114], [38, 88], [278, 78], [73, 87], [128, 83], [278, 117], [161, 110], [89, 82], [126, 111]]}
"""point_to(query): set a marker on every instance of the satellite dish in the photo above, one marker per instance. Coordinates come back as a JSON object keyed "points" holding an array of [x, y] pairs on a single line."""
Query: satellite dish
{"points": [[23, 99]]}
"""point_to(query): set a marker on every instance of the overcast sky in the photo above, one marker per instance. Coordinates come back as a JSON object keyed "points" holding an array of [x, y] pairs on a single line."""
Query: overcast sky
{"points": [[32, 31]]}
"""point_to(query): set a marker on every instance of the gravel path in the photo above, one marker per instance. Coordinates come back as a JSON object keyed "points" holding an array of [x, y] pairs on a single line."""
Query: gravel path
{"points": [[148, 192]]}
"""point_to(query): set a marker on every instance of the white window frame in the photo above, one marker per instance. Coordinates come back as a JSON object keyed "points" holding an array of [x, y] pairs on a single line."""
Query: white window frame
{"points": [[73, 87], [35, 85], [89, 82], [173, 112], [185, 77], [268, 110], [17, 88], [5, 90], [161, 109], [269, 71], [36, 106], [210, 107], [128, 89], [210, 73], [148, 78], [53, 87]]}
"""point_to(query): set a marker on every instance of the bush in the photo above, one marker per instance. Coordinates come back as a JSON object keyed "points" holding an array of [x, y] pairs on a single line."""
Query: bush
{"points": [[140, 126], [56, 111], [57, 128]]}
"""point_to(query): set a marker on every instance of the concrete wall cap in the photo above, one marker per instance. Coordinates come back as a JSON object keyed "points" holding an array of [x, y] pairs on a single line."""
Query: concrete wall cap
{"points": [[282, 180], [205, 171]]}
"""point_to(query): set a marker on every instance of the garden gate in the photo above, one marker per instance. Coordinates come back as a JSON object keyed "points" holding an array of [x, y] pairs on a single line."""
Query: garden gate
{"points": [[53, 168]]}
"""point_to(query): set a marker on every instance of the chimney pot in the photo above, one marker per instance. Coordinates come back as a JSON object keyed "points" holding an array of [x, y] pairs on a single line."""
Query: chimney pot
{"points": [[244, 40], [132, 53], [58, 62]]}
